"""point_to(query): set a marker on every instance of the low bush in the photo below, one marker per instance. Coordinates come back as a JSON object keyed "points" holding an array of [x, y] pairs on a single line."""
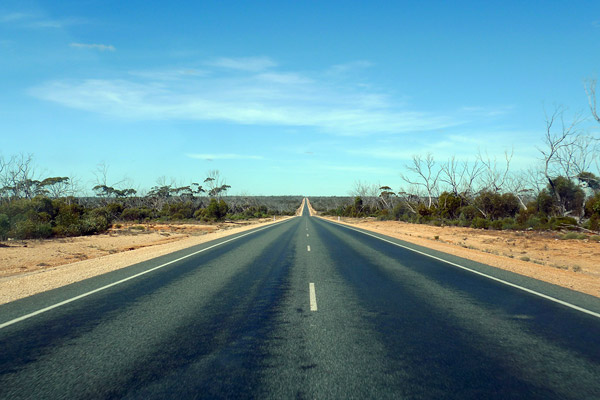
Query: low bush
{"points": [[508, 223], [563, 223], [4, 226], [573, 235], [28, 229], [497, 225], [136, 214], [593, 223], [480, 223]]}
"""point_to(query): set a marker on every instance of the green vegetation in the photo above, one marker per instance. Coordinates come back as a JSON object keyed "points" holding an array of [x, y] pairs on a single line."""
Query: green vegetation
{"points": [[31, 209], [562, 205]]}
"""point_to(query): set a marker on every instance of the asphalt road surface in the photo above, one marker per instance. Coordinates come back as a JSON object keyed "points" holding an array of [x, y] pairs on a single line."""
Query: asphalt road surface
{"points": [[303, 309]]}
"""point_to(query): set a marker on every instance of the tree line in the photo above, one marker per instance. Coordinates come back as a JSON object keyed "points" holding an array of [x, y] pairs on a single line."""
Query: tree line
{"points": [[561, 191], [54, 206]]}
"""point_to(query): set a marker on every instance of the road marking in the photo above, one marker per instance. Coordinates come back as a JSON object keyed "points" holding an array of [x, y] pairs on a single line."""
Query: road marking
{"points": [[544, 296], [308, 248], [313, 297], [62, 303], [307, 235]]}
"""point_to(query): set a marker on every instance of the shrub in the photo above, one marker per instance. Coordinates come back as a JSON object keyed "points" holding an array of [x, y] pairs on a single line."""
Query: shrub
{"points": [[114, 210], [563, 222], [201, 214], [496, 206], [480, 223], [573, 235], [401, 211], [566, 236], [594, 223], [68, 220], [508, 223], [545, 203], [497, 225], [592, 206], [178, 211], [468, 213], [136, 214], [4, 226], [95, 224], [535, 222], [571, 195], [216, 210], [449, 205], [425, 211], [526, 213], [28, 229]]}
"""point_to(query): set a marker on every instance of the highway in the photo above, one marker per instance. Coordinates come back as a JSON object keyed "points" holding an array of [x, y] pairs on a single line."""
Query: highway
{"points": [[304, 308]]}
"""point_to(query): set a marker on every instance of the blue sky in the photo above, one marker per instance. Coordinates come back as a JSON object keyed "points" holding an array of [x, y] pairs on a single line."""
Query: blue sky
{"points": [[285, 97]]}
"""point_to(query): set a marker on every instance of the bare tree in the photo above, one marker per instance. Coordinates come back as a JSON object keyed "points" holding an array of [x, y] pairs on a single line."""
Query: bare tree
{"points": [[56, 186], [409, 198], [519, 185], [369, 193], [460, 177], [105, 189], [590, 90], [426, 176], [386, 197], [216, 184], [559, 145], [492, 177], [18, 177]]}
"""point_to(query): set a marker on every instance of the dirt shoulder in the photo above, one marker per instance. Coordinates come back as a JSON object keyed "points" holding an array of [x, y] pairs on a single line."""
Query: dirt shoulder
{"points": [[33, 266], [574, 264]]}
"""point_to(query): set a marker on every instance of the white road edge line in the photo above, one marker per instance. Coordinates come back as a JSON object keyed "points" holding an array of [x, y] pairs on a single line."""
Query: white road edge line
{"points": [[564, 303], [313, 296], [62, 303]]}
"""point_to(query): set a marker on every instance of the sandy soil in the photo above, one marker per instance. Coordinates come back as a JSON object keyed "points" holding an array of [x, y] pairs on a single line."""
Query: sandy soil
{"points": [[33, 266]]}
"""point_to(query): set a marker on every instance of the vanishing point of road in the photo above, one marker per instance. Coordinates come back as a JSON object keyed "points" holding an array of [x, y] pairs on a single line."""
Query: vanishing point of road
{"points": [[303, 308]]}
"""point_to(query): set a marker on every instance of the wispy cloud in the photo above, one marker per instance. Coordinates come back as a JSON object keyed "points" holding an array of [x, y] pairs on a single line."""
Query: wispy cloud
{"points": [[15, 17], [350, 66], [252, 64], [224, 156], [487, 111], [464, 146], [34, 21], [168, 74], [253, 97], [94, 46]]}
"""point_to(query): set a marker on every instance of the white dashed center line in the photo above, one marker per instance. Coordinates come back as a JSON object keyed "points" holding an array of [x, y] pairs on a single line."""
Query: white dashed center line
{"points": [[313, 297], [308, 248]]}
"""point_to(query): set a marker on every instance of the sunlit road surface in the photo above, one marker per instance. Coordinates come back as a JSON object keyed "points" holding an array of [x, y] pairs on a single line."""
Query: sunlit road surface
{"points": [[303, 309]]}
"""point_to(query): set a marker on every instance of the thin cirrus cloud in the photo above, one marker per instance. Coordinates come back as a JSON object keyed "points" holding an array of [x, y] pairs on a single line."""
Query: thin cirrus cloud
{"points": [[257, 95], [33, 21], [225, 156], [93, 46], [253, 64], [14, 17]]}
